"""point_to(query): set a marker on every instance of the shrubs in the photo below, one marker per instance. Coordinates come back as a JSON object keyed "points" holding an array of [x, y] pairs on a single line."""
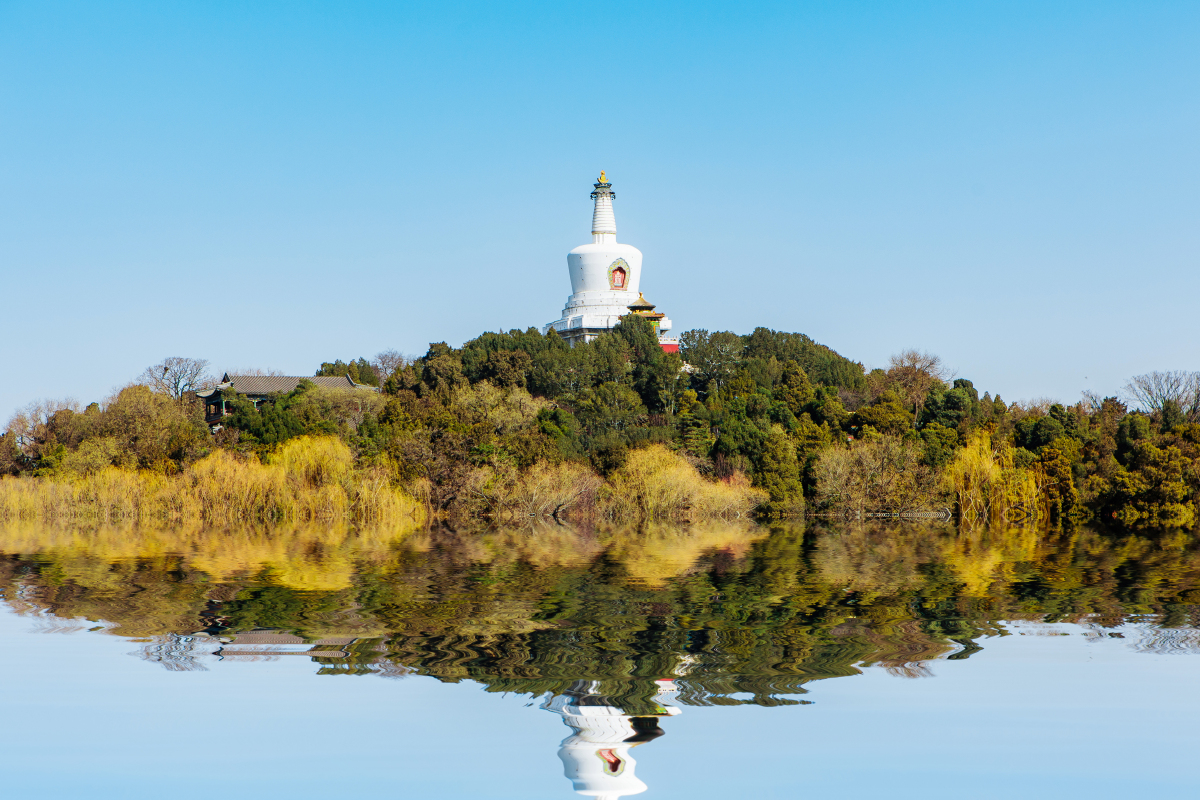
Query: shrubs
{"points": [[542, 490], [308, 478], [520, 424], [653, 483], [315, 478], [657, 483], [880, 473]]}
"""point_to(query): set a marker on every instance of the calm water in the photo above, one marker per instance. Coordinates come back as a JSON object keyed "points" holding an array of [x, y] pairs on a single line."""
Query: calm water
{"points": [[711, 661]]}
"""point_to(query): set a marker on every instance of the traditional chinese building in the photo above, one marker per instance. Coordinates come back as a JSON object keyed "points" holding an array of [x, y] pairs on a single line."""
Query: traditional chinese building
{"points": [[605, 277], [259, 388]]}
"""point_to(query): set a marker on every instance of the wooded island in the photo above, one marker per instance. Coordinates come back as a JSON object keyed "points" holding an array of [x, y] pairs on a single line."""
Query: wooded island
{"points": [[521, 423]]}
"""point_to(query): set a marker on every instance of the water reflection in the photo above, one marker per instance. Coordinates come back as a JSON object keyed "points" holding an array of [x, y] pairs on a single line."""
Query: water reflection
{"points": [[597, 756], [737, 613], [615, 629]]}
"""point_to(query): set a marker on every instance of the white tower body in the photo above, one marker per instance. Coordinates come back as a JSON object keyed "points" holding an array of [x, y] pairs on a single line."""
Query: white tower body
{"points": [[605, 276]]}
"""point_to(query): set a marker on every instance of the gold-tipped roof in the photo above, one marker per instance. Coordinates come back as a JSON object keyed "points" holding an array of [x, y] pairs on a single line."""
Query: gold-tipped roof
{"points": [[641, 304]]}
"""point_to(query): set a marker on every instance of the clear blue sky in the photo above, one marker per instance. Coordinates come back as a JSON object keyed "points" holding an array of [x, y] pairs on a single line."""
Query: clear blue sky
{"points": [[1011, 185]]}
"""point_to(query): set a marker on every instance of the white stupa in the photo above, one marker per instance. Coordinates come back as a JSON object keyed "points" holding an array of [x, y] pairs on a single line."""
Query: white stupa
{"points": [[605, 280]]}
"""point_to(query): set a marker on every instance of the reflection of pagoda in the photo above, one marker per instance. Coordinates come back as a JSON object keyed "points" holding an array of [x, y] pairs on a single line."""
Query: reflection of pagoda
{"points": [[596, 756]]}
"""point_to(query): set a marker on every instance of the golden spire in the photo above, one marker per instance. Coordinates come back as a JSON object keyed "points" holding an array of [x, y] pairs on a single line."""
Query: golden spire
{"points": [[602, 180]]}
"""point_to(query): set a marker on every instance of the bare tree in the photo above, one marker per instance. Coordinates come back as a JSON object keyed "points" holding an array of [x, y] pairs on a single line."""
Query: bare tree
{"points": [[915, 373], [28, 425], [388, 362], [1154, 390], [175, 376]]}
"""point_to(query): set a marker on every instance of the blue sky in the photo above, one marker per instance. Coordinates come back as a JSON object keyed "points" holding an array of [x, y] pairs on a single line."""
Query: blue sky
{"points": [[1011, 185]]}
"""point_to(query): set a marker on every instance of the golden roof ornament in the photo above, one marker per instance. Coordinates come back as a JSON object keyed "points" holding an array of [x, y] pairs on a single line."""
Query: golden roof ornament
{"points": [[602, 179]]}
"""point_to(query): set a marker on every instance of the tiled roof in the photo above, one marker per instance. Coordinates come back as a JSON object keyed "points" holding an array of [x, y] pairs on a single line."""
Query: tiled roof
{"points": [[641, 304], [268, 384]]}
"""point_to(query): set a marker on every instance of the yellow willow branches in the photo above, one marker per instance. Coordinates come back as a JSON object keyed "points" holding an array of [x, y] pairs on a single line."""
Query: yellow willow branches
{"points": [[987, 486], [307, 478]]}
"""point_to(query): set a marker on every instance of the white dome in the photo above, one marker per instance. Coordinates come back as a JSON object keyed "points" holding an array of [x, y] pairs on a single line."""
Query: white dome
{"points": [[605, 267]]}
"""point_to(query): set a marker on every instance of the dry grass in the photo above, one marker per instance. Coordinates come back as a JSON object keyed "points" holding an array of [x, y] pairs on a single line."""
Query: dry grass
{"points": [[655, 483], [881, 473], [307, 478], [542, 490]]}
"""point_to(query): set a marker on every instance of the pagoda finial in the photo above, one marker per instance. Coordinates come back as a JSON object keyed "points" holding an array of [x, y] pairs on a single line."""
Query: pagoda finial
{"points": [[603, 221]]}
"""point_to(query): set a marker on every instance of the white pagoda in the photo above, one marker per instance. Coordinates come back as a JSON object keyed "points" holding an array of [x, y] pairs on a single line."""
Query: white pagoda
{"points": [[605, 278]]}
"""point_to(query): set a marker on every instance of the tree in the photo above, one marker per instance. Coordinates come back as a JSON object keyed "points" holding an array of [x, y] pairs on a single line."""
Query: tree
{"points": [[713, 357], [822, 364], [359, 371], [914, 373], [609, 407], [1154, 390], [883, 473], [506, 368], [176, 376], [441, 371], [387, 362], [887, 415], [795, 389], [777, 470]]}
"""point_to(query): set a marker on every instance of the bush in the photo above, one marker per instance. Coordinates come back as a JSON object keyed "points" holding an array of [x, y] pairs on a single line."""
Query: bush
{"points": [[309, 478], [655, 482]]}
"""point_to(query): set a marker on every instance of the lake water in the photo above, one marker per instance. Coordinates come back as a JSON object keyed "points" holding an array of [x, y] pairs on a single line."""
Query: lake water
{"points": [[718, 660]]}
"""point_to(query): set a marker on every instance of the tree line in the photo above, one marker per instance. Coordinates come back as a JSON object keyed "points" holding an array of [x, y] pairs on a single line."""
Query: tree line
{"points": [[520, 423]]}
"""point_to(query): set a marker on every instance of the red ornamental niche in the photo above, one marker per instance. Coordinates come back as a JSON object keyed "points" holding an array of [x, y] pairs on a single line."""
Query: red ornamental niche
{"points": [[618, 274]]}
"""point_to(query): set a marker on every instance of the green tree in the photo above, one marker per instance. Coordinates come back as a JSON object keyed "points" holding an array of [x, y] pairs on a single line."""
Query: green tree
{"points": [[887, 415], [714, 357], [795, 389], [441, 371], [507, 368], [359, 370], [609, 407], [777, 470]]}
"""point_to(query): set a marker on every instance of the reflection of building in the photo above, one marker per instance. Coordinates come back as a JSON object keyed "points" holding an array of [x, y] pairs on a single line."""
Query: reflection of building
{"points": [[596, 757], [605, 276], [182, 653]]}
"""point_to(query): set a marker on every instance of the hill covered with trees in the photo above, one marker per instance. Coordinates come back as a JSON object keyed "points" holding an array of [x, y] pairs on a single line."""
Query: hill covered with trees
{"points": [[518, 423]]}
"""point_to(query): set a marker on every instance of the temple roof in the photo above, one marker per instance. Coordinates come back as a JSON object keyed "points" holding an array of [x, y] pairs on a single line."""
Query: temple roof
{"points": [[270, 384], [641, 304]]}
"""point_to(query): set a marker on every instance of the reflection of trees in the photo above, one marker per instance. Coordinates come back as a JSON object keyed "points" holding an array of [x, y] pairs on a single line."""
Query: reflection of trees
{"points": [[733, 613], [179, 653]]}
